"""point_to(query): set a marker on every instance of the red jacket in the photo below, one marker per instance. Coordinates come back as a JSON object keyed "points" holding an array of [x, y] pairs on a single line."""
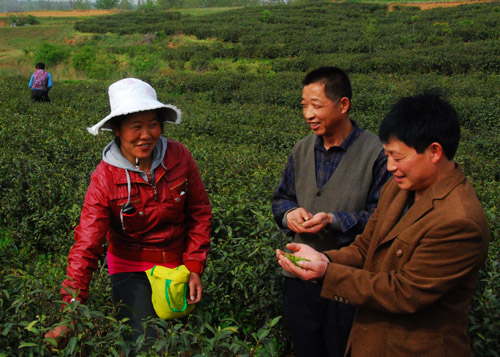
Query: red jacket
{"points": [[171, 217]]}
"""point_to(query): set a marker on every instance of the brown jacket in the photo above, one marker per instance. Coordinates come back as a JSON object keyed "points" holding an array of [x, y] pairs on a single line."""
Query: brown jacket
{"points": [[413, 276]]}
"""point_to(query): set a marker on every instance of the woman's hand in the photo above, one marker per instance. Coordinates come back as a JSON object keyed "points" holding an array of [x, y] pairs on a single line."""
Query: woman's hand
{"points": [[60, 334], [195, 288]]}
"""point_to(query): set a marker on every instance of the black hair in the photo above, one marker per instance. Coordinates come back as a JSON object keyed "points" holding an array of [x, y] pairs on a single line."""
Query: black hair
{"points": [[422, 119], [40, 65], [336, 81]]}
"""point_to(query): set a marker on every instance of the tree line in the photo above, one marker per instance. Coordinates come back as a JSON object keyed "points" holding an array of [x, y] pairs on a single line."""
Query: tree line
{"points": [[34, 5]]}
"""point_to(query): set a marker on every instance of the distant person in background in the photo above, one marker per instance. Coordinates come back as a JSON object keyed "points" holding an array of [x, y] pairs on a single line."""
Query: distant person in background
{"points": [[329, 189], [40, 83]]}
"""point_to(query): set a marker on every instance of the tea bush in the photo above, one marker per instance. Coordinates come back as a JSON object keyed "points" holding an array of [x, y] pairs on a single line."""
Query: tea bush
{"points": [[124, 23], [241, 149], [406, 40], [24, 20], [465, 42], [241, 117], [51, 54]]}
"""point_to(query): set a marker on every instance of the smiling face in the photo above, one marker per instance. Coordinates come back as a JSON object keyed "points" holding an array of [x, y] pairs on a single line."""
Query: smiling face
{"points": [[411, 170], [139, 134], [323, 115]]}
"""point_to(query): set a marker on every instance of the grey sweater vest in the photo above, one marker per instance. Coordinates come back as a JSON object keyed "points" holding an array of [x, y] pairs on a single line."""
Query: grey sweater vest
{"points": [[346, 190]]}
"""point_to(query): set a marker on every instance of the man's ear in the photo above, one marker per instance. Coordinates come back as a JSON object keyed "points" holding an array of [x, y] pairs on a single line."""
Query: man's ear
{"points": [[345, 103], [436, 151]]}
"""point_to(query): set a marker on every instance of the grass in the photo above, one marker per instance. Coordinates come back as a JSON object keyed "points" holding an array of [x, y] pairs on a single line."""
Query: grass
{"points": [[411, 1], [18, 37]]}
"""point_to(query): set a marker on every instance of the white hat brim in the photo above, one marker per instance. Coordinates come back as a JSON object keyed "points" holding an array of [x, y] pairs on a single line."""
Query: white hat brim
{"points": [[172, 113]]}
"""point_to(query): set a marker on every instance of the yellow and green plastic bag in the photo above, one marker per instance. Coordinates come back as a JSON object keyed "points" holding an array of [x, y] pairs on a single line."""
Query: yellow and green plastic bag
{"points": [[169, 287]]}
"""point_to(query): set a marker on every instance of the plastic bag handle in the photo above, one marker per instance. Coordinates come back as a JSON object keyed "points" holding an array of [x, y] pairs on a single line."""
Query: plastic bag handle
{"points": [[167, 284], [173, 273]]}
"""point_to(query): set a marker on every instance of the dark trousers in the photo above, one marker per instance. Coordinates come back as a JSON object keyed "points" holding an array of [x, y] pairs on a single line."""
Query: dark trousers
{"points": [[40, 95], [132, 292], [319, 327]]}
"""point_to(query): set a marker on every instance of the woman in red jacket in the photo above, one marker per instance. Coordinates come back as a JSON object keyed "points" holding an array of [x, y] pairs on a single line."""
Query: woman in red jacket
{"points": [[147, 197]]}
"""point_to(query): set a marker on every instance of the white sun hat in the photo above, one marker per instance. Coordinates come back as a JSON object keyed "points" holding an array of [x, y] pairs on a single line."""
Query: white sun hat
{"points": [[131, 95]]}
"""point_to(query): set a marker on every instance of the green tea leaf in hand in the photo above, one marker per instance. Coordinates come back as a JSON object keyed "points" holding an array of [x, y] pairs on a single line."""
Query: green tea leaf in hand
{"points": [[295, 259]]}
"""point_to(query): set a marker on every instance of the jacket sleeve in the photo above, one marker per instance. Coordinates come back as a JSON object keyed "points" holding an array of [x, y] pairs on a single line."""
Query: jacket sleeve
{"points": [[198, 216], [354, 255], [445, 256], [285, 197], [89, 242], [49, 84]]}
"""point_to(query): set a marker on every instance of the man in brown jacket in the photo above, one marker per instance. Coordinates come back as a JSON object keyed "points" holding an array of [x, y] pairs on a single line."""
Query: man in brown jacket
{"points": [[413, 270]]}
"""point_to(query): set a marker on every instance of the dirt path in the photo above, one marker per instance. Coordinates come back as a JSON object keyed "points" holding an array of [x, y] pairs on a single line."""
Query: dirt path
{"points": [[69, 13], [433, 5]]}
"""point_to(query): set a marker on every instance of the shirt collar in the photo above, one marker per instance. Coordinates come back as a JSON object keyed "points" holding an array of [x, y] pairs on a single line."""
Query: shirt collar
{"points": [[356, 131]]}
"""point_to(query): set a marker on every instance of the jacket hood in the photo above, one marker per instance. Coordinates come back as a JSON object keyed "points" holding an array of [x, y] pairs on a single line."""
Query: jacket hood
{"points": [[113, 156]]}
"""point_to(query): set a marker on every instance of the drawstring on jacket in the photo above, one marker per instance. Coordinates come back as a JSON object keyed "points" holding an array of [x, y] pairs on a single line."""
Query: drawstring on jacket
{"points": [[126, 208], [113, 156]]}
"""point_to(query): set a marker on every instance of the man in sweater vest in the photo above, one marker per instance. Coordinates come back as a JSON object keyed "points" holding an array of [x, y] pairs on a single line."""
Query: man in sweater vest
{"points": [[40, 84], [329, 188], [413, 270]]}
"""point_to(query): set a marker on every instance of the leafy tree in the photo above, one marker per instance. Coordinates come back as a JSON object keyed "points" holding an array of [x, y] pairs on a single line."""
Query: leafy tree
{"points": [[106, 4], [125, 5], [51, 54], [24, 20], [164, 4], [83, 4]]}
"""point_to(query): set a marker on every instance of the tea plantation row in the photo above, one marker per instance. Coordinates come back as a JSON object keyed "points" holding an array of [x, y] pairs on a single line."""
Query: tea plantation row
{"points": [[358, 37]]}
